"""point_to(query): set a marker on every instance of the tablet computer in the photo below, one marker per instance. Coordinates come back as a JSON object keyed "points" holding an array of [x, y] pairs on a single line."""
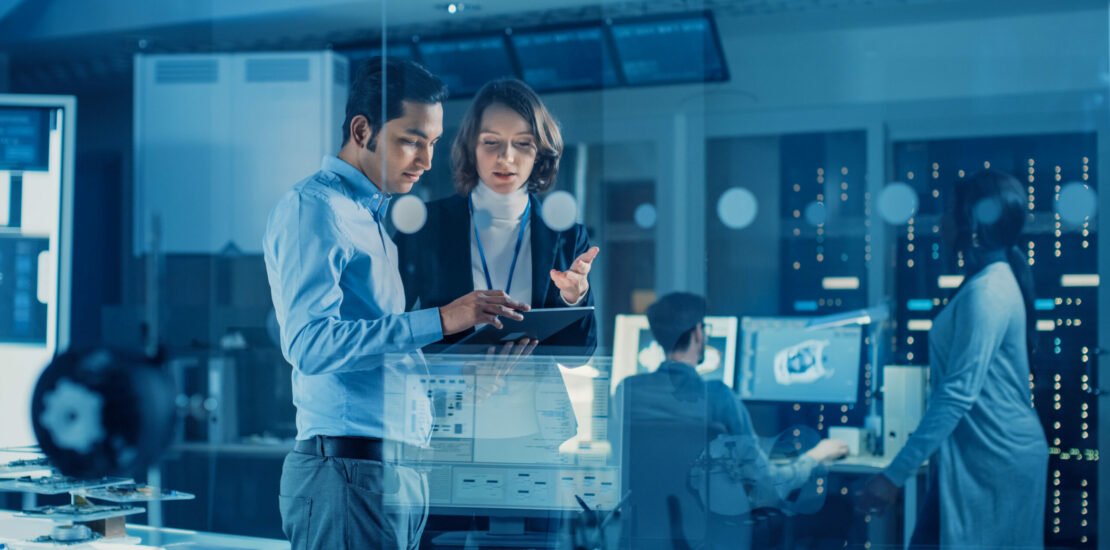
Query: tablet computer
{"points": [[539, 324]]}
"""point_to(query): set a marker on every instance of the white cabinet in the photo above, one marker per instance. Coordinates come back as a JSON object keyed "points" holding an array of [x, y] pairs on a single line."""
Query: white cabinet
{"points": [[219, 138]]}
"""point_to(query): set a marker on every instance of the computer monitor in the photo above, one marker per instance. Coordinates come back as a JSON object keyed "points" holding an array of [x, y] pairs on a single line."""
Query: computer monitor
{"points": [[36, 198], [508, 438], [635, 350], [782, 360]]}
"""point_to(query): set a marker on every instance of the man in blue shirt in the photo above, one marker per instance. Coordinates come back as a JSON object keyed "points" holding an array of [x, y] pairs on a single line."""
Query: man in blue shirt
{"points": [[341, 308]]}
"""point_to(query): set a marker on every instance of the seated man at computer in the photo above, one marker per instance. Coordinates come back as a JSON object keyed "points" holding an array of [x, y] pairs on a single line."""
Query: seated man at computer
{"points": [[662, 424]]}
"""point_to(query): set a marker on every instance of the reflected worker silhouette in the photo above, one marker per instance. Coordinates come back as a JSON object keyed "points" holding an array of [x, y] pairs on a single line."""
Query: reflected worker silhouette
{"points": [[667, 423], [979, 428]]}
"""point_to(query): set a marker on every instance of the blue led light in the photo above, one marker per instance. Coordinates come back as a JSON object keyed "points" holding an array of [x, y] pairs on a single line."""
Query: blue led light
{"points": [[919, 305], [805, 305], [1044, 305]]}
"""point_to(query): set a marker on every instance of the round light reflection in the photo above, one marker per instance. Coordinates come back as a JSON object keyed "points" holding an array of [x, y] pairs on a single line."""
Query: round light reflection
{"points": [[897, 203], [483, 219], [816, 213], [409, 214], [645, 215], [737, 208], [987, 211], [1077, 203], [560, 210]]}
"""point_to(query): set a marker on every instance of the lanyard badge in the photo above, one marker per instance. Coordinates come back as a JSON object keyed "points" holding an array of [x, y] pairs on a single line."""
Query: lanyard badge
{"points": [[516, 251]]}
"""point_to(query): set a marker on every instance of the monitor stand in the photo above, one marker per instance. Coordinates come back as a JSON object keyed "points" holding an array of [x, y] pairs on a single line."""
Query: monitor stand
{"points": [[504, 532]]}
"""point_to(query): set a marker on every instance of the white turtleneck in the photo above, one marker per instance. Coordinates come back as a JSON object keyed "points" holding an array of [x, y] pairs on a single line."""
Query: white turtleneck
{"points": [[506, 213]]}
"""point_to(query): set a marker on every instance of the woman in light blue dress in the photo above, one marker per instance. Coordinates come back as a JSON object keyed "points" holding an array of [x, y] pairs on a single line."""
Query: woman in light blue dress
{"points": [[979, 426]]}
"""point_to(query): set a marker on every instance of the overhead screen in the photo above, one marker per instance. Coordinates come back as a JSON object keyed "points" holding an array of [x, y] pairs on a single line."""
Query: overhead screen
{"points": [[465, 64], [667, 49], [565, 59]]}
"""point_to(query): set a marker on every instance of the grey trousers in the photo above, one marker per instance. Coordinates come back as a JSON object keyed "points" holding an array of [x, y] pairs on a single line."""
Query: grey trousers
{"points": [[338, 503]]}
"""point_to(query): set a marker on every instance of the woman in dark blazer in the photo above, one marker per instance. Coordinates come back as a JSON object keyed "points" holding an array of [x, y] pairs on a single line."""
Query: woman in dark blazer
{"points": [[490, 235]]}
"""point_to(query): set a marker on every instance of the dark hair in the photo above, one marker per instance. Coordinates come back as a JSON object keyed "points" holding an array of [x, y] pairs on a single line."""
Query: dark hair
{"points": [[404, 81], [989, 214], [683, 341], [673, 319], [517, 96]]}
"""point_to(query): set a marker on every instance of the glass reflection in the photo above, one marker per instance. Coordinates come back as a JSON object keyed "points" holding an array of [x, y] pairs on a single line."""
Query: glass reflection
{"points": [[788, 162]]}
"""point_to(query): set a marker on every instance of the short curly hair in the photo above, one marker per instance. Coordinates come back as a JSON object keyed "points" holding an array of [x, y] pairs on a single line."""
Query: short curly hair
{"points": [[517, 96]]}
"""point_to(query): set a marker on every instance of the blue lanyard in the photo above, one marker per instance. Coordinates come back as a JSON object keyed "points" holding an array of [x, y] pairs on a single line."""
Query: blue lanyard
{"points": [[516, 251]]}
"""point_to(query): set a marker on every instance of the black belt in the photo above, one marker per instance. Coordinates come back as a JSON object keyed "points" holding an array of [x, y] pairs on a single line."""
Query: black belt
{"points": [[363, 448]]}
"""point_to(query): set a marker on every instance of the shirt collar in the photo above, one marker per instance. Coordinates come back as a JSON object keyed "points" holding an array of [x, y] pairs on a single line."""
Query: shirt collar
{"points": [[678, 367], [365, 192]]}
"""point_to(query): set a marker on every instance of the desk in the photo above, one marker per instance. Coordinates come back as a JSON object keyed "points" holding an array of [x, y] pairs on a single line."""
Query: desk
{"points": [[870, 465], [14, 531], [860, 464]]}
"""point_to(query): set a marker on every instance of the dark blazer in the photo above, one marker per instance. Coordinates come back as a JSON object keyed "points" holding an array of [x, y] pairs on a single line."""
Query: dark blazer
{"points": [[436, 270]]}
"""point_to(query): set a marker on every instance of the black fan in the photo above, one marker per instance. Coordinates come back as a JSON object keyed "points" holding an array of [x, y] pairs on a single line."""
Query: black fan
{"points": [[103, 413]]}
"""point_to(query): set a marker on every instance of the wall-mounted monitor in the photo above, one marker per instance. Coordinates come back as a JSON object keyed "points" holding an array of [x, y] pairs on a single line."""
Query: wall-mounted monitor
{"points": [[568, 58], [669, 49], [24, 139], [466, 63], [36, 209]]}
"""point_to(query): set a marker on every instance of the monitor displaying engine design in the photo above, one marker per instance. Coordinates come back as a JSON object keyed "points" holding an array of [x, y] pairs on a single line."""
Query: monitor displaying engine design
{"points": [[783, 360], [635, 350]]}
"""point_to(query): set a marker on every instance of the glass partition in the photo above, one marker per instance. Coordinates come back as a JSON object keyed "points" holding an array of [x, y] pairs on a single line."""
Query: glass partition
{"points": [[553, 275]]}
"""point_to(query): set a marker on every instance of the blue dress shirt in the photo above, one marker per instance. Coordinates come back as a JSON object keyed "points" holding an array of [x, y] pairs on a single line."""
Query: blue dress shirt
{"points": [[340, 303]]}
